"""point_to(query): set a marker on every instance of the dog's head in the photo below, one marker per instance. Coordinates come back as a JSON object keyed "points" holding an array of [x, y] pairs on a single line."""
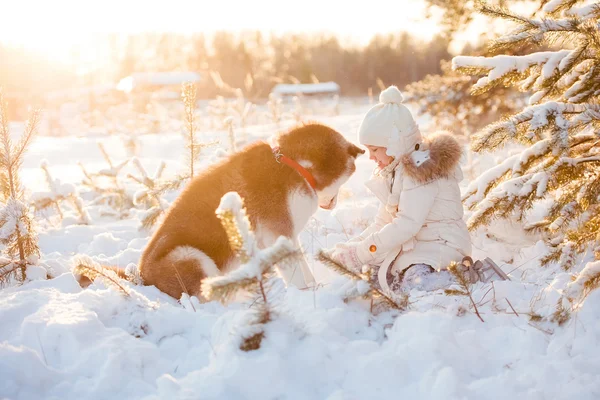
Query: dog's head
{"points": [[326, 154]]}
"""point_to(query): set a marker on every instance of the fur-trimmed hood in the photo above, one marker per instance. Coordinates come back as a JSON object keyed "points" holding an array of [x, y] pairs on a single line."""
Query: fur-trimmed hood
{"points": [[437, 157]]}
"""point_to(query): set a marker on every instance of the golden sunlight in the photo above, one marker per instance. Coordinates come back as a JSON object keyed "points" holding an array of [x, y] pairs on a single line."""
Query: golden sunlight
{"points": [[58, 27]]}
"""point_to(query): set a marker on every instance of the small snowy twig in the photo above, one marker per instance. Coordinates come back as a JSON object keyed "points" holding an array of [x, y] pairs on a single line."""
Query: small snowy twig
{"points": [[511, 307]]}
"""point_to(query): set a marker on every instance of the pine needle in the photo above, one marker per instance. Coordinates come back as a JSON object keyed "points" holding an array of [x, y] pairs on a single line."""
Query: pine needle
{"points": [[183, 288]]}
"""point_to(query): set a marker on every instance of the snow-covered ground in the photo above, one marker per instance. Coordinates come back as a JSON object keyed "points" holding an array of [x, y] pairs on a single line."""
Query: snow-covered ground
{"points": [[58, 341]]}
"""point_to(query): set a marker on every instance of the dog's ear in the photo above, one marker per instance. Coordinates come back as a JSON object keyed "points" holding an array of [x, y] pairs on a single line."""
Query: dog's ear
{"points": [[354, 151]]}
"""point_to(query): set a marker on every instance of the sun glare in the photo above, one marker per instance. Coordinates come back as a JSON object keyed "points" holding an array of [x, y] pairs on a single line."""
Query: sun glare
{"points": [[61, 28]]}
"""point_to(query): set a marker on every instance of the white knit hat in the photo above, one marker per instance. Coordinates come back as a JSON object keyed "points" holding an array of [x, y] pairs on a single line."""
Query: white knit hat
{"points": [[390, 124]]}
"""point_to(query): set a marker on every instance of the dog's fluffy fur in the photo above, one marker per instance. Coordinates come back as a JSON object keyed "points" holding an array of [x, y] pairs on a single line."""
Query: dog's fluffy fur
{"points": [[278, 201]]}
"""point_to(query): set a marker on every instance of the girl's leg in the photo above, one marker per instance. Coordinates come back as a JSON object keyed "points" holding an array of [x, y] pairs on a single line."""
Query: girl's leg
{"points": [[421, 277]]}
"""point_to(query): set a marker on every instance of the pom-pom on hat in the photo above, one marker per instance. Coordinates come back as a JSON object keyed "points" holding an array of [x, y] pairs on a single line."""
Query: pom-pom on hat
{"points": [[390, 124]]}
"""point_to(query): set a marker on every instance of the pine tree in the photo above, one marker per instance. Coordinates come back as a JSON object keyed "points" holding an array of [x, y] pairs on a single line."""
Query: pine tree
{"points": [[17, 232], [58, 193], [151, 194], [255, 276], [108, 186], [189, 102], [230, 134], [446, 99], [558, 130], [193, 145]]}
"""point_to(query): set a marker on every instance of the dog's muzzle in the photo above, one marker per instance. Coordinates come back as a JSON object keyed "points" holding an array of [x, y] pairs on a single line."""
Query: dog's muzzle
{"points": [[330, 205]]}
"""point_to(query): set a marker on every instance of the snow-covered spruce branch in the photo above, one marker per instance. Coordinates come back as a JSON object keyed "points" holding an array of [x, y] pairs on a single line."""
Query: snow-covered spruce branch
{"points": [[529, 30], [576, 293], [536, 69], [517, 193], [587, 281], [514, 166], [534, 158], [567, 8], [528, 125], [113, 169], [248, 276], [9, 271], [85, 266]]}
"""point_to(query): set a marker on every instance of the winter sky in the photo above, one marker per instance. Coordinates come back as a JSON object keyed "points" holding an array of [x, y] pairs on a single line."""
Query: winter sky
{"points": [[55, 26]]}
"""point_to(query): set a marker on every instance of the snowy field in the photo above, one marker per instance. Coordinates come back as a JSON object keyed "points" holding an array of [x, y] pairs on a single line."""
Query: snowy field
{"points": [[58, 341]]}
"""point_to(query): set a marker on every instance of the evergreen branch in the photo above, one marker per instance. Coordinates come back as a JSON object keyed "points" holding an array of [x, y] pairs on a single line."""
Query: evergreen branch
{"points": [[375, 292], [465, 286], [222, 288], [135, 178], [105, 155], [30, 130], [10, 270], [173, 184], [85, 266], [501, 12], [337, 267], [84, 217], [44, 203], [556, 7], [197, 147], [159, 171], [90, 178], [500, 132], [189, 101], [138, 165], [250, 274], [5, 154], [152, 216]]}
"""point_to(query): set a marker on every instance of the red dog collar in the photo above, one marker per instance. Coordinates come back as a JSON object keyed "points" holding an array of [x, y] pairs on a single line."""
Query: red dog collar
{"points": [[280, 158]]}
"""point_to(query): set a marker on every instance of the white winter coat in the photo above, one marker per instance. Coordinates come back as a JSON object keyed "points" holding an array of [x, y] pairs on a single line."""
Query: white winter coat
{"points": [[420, 220]]}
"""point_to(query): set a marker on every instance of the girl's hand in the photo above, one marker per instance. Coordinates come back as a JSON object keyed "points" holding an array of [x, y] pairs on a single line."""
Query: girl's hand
{"points": [[347, 256]]}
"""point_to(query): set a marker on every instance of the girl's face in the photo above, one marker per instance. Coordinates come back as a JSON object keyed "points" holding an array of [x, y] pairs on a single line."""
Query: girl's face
{"points": [[377, 154]]}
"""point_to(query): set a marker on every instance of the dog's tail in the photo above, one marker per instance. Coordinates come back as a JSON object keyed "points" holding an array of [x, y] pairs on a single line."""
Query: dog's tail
{"points": [[86, 270]]}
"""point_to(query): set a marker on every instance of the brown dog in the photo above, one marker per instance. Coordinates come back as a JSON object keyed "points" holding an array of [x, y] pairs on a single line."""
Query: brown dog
{"points": [[281, 189]]}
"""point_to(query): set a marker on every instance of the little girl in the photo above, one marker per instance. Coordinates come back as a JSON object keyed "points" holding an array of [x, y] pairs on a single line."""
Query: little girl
{"points": [[419, 227]]}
